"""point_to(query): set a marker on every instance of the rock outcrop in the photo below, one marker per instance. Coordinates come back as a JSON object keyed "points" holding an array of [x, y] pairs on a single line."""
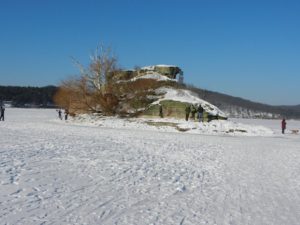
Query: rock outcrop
{"points": [[169, 71]]}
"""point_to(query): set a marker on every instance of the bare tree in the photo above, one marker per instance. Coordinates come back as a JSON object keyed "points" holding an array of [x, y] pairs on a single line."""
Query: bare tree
{"points": [[101, 69], [74, 94], [93, 90]]}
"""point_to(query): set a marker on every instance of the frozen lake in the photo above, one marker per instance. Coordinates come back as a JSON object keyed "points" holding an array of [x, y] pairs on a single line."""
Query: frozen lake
{"points": [[57, 172]]}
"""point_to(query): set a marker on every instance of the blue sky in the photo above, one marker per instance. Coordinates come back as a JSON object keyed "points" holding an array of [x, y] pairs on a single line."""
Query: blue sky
{"points": [[249, 49]]}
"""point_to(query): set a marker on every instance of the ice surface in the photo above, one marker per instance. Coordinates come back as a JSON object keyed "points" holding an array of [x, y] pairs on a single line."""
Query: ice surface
{"points": [[112, 171]]}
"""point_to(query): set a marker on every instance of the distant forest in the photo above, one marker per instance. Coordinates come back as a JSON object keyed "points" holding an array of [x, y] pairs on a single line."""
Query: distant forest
{"points": [[28, 96]]}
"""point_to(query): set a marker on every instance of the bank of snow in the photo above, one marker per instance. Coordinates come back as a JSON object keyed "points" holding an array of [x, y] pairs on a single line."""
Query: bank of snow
{"points": [[216, 127]]}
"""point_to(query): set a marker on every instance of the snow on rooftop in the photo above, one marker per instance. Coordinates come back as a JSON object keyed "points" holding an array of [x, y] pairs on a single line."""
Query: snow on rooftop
{"points": [[160, 65], [155, 76]]}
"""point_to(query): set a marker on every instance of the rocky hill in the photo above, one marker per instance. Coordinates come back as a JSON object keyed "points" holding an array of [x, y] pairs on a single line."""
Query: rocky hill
{"points": [[228, 105], [168, 98]]}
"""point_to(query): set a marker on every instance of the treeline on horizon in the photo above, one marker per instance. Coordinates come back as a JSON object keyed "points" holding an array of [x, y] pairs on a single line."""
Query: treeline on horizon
{"points": [[43, 97], [224, 101], [28, 96]]}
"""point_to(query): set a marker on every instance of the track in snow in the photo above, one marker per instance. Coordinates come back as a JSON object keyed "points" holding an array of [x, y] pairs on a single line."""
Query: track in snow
{"points": [[56, 173]]}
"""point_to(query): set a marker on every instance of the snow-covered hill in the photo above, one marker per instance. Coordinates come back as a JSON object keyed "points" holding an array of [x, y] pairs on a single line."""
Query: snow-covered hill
{"points": [[168, 74]]}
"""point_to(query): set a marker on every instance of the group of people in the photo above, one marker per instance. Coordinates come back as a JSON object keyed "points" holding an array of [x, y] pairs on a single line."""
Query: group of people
{"points": [[2, 110], [191, 109], [59, 111]]}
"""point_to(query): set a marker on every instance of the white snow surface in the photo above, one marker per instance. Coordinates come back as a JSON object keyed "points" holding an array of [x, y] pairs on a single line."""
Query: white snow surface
{"points": [[215, 127], [113, 171]]}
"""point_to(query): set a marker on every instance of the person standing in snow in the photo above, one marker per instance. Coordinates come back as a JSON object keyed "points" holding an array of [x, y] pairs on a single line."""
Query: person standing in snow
{"points": [[193, 111], [283, 125], [161, 111], [200, 113], [187, 112], [66, 114], [2, 113], [59, 114]]}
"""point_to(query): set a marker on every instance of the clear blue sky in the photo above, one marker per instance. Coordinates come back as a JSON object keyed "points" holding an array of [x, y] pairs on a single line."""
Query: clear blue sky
{"points": [[249, 49]]}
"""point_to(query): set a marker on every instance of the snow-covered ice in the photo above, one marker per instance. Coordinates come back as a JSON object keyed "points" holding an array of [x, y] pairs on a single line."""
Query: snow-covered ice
{"points": [[113, 171]]}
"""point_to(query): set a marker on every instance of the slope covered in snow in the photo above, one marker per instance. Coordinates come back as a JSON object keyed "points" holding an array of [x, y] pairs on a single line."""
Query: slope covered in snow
{"points": [[187, 96], [57, 172]]}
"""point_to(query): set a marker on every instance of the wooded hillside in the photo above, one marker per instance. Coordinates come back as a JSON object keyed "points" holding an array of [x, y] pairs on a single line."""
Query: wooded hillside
{"points": [[28, 96], [234, 105]]}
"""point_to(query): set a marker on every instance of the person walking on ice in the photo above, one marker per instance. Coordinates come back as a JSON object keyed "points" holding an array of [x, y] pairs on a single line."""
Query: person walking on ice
{"points": [[66, 114], [2, 109], [283, 126], [59, 114]]}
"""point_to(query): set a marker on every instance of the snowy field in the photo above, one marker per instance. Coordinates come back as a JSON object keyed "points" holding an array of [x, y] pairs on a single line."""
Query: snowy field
{"points": [[89, 171]]}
